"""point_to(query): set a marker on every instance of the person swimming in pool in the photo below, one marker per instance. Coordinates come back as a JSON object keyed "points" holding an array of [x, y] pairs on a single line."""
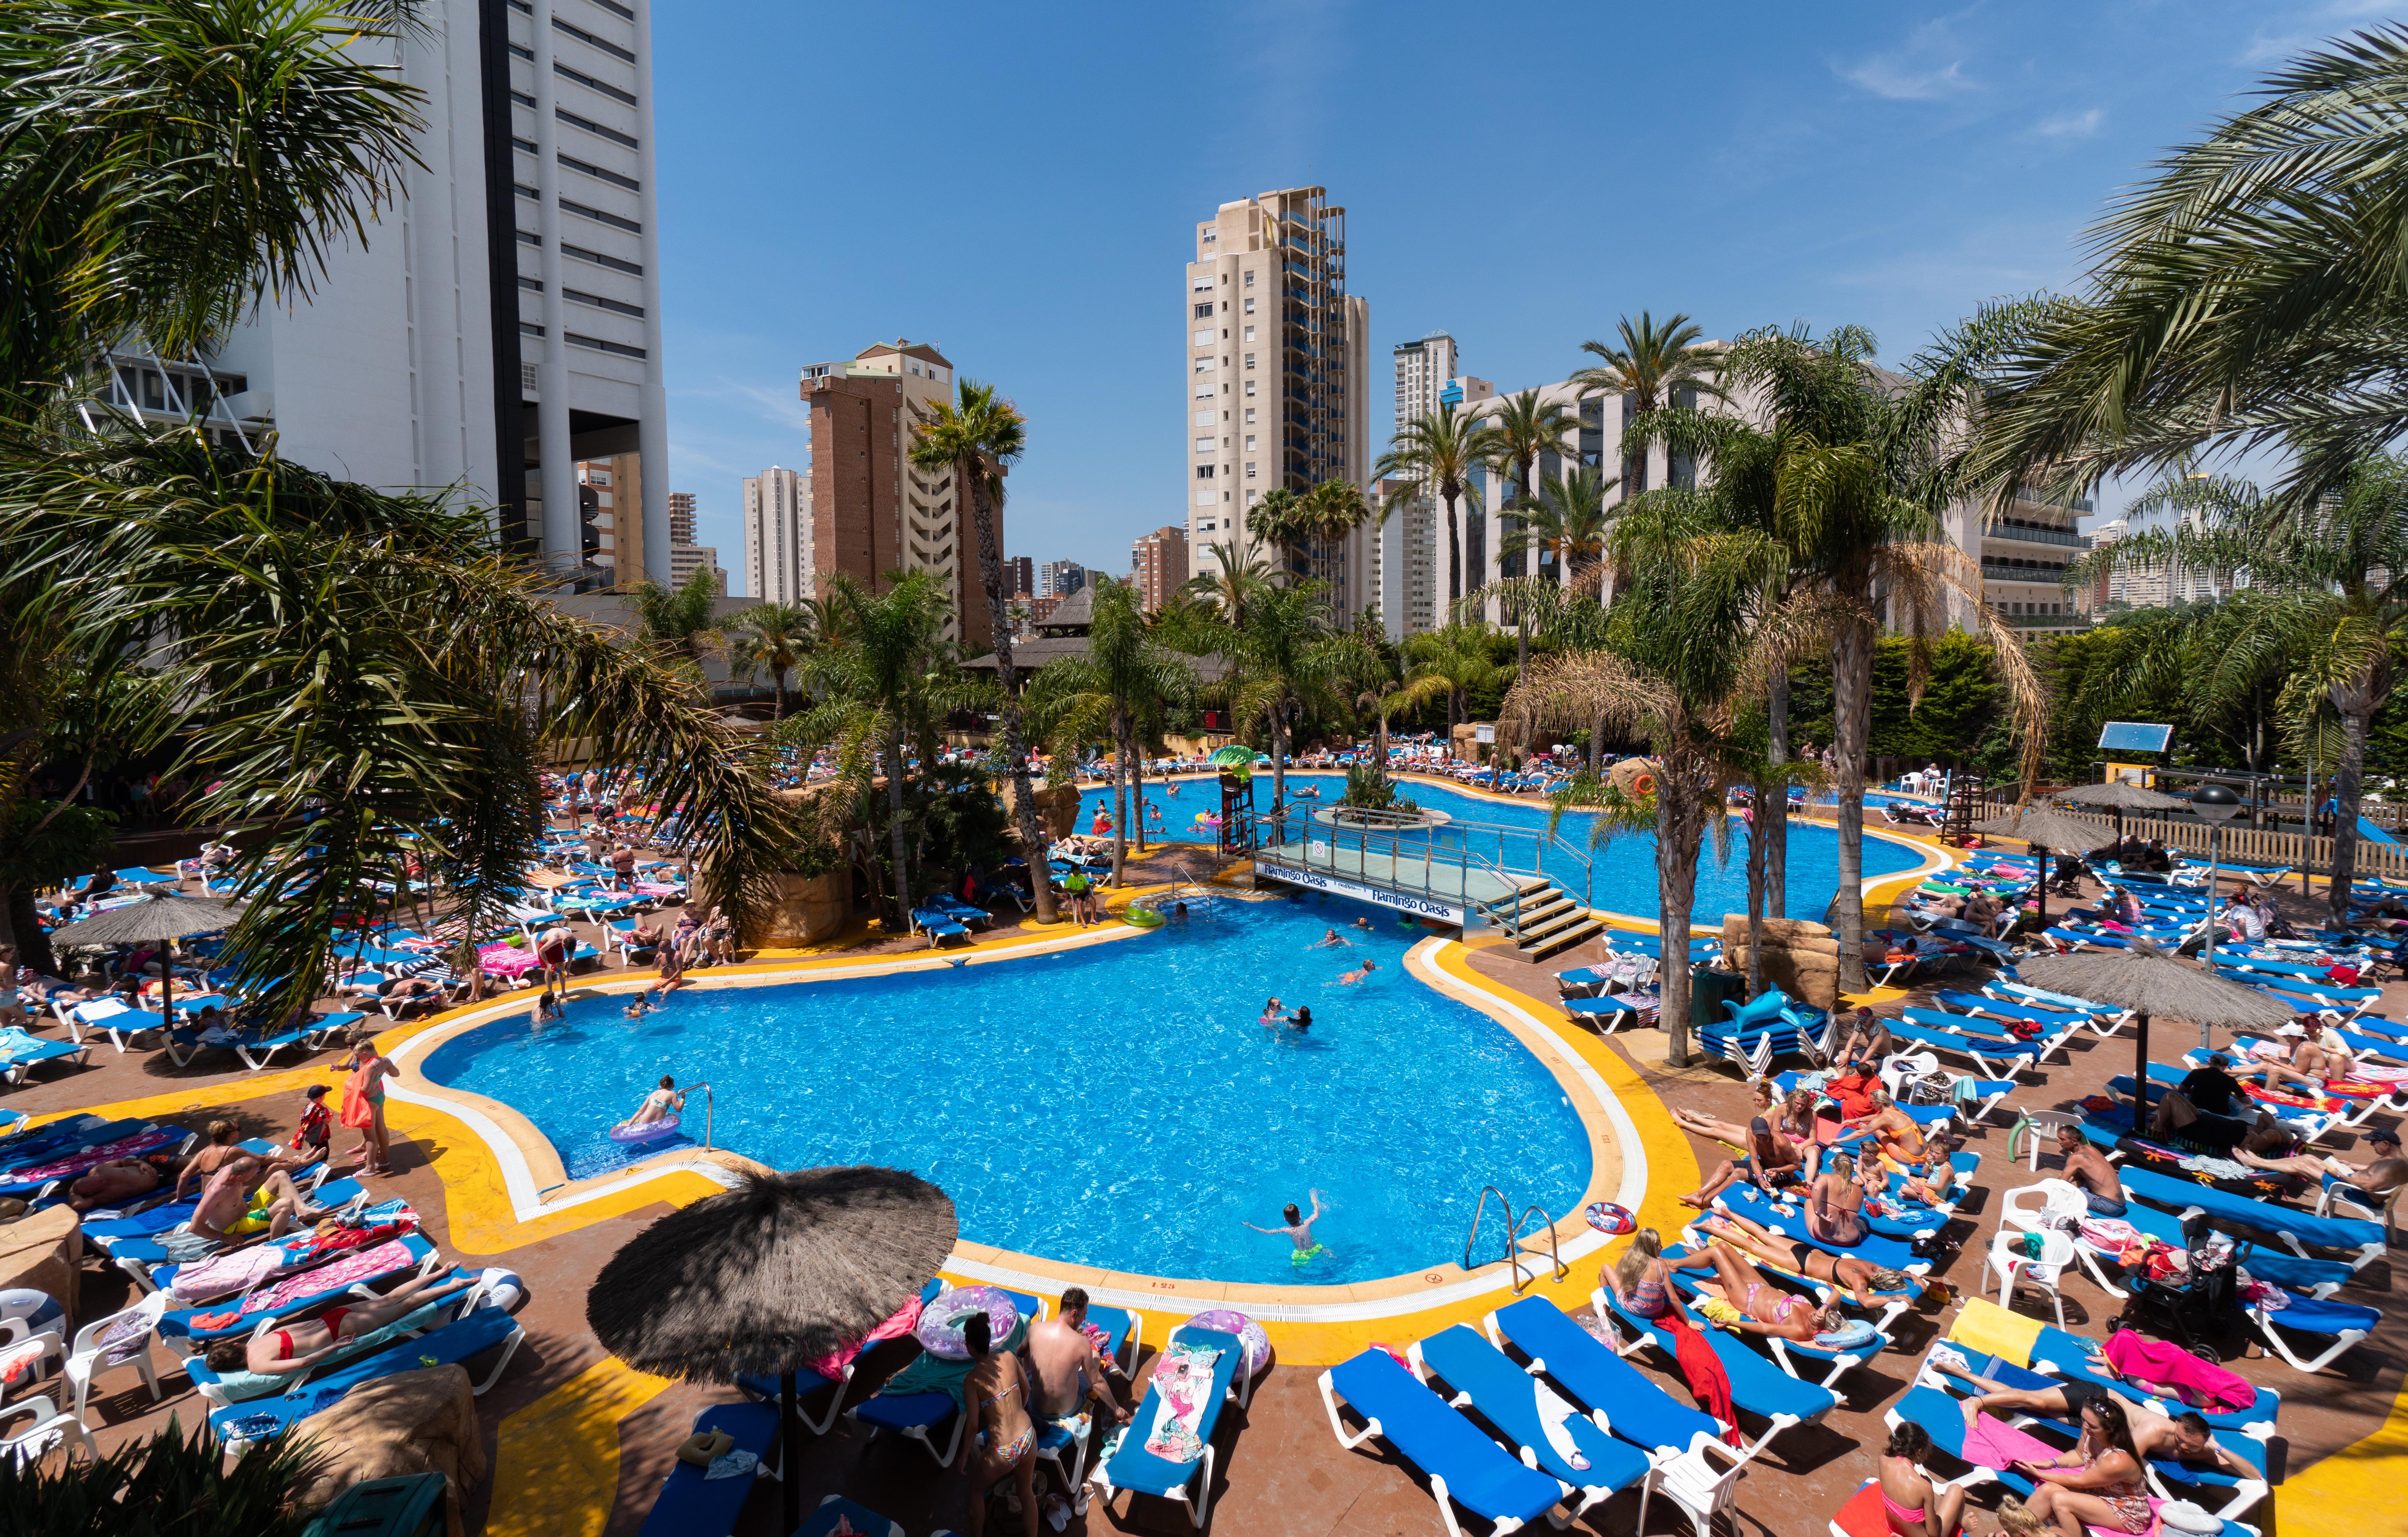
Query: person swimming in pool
{"points": [[1301, 1020], [1356, 975], [1330, 940], [1270, 1013], [659, 1105], [1298, 1231], [1364, 924]]}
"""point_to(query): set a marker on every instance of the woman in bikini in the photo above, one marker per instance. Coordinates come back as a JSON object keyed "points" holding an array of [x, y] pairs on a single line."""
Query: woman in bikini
{"points": [[1000, 1439], [1835, 1206], [1911, 1504], [300, 1344], [1857, 1278], [1762, 1307], [2102, 1485], [1642, 1279]]}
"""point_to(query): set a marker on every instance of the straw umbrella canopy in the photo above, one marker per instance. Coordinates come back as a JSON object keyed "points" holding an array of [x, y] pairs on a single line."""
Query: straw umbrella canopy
{"points": [[766, 1278], [2119, 798], [2149, 981], [156, 917], [2044, 829]]}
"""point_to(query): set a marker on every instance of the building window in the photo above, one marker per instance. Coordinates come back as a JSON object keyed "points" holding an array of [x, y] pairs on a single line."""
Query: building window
{"points": [[613, 135], [1204, 418], [528, 282], [1250, 420], [1203, 364], [518, 52], [617, 348], [1250, 305], [599, 217], [598, 302], [592, 41], [521, 98], [1249, 278], [1204, 310], [527, 329], [1250, 359], [1203, 391], [525, 191], [530, 237], [1204, 336], [1203, 472], [526, 144], [599, 174], [1205, 445], [1250, 472], [1204, 497], [588, 81], [1250, 388], [1249, 442], [1252, 497], [613, 262], [1197, 285]]}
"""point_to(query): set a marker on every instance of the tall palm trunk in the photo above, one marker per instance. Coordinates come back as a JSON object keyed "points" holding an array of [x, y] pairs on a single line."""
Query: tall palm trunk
{"points": [[1852, 680], [895, 823], [1279, 770], [1678, 822], [2358, 701], [778, 679], [1120, 791], [1137, 783], [1454, 553], [1755, 891], [1772, 818], [1007, 678]]}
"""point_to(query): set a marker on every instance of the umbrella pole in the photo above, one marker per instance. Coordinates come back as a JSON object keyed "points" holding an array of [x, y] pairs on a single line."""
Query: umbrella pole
{"points": [[790, 1434], [2043, 851], [167, 989], [2141, 1077]]}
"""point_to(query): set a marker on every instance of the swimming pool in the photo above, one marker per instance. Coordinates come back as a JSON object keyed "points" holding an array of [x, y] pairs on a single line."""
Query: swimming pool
{"points": [[1116, 1106], [1625, 869]]}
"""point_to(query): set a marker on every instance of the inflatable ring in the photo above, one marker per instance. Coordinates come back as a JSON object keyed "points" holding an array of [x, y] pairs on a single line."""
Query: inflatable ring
{"points": [[939, 1330], [1248, 1333], [651, 1131], [1606, 1217]]}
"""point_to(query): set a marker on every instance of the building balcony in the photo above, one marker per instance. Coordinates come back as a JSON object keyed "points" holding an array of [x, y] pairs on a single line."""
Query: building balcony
{"points": [[2045, 575], [2022, 534]]}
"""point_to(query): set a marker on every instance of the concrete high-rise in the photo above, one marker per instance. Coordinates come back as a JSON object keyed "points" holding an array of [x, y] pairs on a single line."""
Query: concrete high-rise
{"points": [[1276, 377], [501, 324], [867, 509], [1423, 368], [778, 564], [1020, 576], [681, 517], [1060, 578], [1158, 565]]}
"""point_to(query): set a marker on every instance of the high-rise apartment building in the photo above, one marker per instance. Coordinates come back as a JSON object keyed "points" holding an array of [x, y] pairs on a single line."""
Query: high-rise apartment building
{"points": [[1276, 375], [1060, 578], [1019, 575], [867, 509], [1403, 556], [681, 517], [1422, 368], [686, 559], [1158, 565], [501, 324], [778, 564]]}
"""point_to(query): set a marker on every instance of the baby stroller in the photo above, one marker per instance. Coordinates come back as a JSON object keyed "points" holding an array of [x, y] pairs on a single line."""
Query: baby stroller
{"points": [[2198, 1307]]}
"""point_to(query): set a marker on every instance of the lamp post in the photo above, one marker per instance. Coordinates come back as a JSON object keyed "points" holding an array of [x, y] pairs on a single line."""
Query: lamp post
{"points": [[2215, 805]]}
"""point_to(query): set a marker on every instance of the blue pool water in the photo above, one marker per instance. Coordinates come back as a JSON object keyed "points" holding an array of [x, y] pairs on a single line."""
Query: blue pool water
{"points": [[1115, 1106], [1623, 878]]}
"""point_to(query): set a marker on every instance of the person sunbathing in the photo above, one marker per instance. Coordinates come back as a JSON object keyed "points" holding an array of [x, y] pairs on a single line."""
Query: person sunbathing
{"points": [[113, 1183], [1855, 1277], [1835, 1205], [296, 1345], [2102, 1191], [1729, 1132], [1864, 1038], [1893, 1131], [1753, 1305], [1770, 1161], [1913, 1503], [246, 1196]]}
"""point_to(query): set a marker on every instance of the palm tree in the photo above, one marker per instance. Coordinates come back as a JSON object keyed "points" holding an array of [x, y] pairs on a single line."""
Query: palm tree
{"points": [[677, 622], [1654, 365], [775, 637], [2330, 585], [1568, 520], [1233, 577], [1447, 664], [1438, 455], [976, 438], [2245, 297], [1280, 522], [1332, 512], [1682, 650], [1130, 684], [165, 165], [362, 675], [1527, 432], [881, 675], [1287, 666]]}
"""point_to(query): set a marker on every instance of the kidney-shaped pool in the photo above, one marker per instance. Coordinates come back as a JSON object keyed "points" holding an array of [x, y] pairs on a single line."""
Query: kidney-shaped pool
{"points": [[1118, 1105]]}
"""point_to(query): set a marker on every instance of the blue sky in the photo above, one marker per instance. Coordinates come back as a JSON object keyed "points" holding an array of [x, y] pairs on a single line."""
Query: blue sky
{"points": [[1019, 186]]}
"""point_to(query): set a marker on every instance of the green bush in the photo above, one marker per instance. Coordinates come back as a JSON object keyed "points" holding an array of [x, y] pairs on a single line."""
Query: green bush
{"points": [[169, 1485]]}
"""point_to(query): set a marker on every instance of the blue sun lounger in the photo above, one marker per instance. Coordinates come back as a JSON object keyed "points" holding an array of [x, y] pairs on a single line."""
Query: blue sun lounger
{"points": [[1758, 1386], [1996, 1055], [1125, 1464], [2340, 1325], [180, 1325], [692, 1505], [2296, 1228], [241, 1424], [1611, 1011], [256, 1048], [1464, 1466], [2068, 1355], [1582, 1366], [1748, 1201], [1508, 1398], [936, 925], [20, 1054], [2057, 1022], [1787, 1354]]}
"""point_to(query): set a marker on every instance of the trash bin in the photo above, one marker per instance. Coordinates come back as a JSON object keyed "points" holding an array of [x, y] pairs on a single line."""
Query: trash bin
{"points": [[410, 1506], [1710, 988]]}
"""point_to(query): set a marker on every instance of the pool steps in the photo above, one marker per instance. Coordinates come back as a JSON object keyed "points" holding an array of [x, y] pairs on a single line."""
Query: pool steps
{"points": [[1540, 917]]}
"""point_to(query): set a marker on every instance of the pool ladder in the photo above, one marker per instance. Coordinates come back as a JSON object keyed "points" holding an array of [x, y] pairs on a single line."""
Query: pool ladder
{"points": [[1523, 1274]]}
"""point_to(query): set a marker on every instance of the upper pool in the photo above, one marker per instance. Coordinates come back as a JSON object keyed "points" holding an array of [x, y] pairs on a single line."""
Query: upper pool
{"points": [[1623, 870], [1117, 1105]]}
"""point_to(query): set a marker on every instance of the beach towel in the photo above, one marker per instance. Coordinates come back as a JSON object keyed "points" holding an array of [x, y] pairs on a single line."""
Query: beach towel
{"points": [[227, 1272], [76, 1163], [1554, 1413], [360, 1265], [1992, 1445], [1708, 1379], [903, 1321], [1985, 1328], [1183, 1385], [358, 1109], [2203, 1384]]}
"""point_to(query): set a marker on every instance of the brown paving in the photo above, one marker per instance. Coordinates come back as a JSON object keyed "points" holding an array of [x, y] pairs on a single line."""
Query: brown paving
{"points": [[1280, 1471]]}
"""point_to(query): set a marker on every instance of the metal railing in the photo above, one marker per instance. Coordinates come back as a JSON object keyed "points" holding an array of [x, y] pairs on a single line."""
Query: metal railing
{"points": [[1458, 848], [2035, 536], [1523, 1274], [708, 1105]]}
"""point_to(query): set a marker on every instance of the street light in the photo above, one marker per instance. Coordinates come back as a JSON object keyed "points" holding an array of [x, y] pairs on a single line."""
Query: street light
{"points": [[2215, 805]]}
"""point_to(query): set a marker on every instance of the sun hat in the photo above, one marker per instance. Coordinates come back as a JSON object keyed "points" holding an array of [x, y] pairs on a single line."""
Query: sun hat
{"points": [[706, 1447], [2292, 1029]]}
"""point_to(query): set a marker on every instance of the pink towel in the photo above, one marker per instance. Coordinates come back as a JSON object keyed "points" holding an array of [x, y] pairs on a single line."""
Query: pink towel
{"points": [[904, 1320], [222, 1273], [1993, 1445], [2203, 1384], [360, 1265], [76, 1163]]}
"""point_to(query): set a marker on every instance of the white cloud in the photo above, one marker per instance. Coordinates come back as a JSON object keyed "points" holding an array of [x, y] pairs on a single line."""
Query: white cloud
{"points": [[1930, 66], [2070, 125], [2264, 49]]}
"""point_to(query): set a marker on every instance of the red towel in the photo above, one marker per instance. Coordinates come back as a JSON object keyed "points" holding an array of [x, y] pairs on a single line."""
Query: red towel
{"points": [[1704, 1370]]}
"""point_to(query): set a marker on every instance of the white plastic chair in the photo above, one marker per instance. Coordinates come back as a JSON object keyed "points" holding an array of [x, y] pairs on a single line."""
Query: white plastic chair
{"points": [[1691, 1481], [2008, 1257], [88, 1358], [51, 1428]]}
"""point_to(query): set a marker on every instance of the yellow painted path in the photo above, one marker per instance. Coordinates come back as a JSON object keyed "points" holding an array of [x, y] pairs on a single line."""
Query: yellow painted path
{"points": [[556, 1462]]}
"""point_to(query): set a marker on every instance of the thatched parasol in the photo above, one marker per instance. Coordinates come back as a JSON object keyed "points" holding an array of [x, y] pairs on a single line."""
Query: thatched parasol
{"points": [[2044, 829], [2149, 981], [2119, 798], [159, 916], [770, 1276]]}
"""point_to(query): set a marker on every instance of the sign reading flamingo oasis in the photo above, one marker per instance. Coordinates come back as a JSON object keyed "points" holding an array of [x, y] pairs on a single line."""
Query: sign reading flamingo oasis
{"points": [[1403, 901]]}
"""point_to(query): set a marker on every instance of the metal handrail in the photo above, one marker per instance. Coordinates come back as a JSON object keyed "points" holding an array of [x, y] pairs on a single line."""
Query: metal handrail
{"points": [[1485, 1191], [1523, 1274], [1554, 1246], [710, 1103]]}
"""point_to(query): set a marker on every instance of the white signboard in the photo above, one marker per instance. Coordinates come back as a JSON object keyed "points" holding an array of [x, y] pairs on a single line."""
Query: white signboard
{"points": [[1485, 735], [1403, 901]]}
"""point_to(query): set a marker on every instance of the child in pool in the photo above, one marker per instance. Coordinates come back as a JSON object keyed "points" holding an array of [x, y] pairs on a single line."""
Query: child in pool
{"points": [[1298, 1231], [658, 1105], [1355, 976]]}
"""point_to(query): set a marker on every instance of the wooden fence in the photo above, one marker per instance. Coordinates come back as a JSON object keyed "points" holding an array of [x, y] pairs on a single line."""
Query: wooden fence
{"points": [[2258, 848]]}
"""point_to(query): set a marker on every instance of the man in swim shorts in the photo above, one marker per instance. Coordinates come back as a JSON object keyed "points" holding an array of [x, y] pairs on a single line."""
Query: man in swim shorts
{"points": [[2087, 1167], [1298, 1231], [1070, 1372]]}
